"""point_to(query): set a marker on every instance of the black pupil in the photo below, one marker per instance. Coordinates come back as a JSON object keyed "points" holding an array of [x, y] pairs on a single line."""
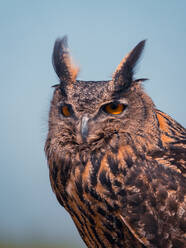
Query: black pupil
{"points": [[114, 106]]}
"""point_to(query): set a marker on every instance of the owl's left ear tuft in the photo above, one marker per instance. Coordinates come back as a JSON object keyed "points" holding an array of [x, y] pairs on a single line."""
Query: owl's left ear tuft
{"points": [[123, 76], [62, 63]]}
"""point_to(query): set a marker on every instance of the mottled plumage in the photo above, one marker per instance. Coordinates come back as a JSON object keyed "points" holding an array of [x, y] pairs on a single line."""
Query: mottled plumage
{"points": [[117, 164]]}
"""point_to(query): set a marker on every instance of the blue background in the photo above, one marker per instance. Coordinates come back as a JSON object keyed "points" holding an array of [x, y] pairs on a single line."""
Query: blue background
{"points": [[100, 33]]}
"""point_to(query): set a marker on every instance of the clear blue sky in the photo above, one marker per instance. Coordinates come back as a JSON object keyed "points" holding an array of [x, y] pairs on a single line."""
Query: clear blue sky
{"points": [[100, 33]]}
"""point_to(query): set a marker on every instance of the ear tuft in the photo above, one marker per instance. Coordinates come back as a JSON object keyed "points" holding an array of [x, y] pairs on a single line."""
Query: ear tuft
{"points": [[62, 63], [125, 70]]}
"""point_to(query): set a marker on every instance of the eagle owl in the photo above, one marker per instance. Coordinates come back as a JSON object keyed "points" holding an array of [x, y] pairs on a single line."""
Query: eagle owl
{"points": [[116, 163]]}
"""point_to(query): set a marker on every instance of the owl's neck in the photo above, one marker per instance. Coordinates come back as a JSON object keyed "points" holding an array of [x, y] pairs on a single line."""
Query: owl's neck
{"points": [[120, 145]]}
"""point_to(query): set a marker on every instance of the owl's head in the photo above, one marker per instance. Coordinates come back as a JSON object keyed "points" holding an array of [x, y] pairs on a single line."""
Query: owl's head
{"points": [[92, 113]]}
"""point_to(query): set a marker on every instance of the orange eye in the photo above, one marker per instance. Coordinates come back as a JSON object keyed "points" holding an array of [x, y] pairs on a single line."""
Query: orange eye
{"points": [[114, 108], [66, 110]]}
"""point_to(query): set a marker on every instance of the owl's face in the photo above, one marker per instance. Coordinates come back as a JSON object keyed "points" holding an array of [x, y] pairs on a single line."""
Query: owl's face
{"points": [[90, 114]]}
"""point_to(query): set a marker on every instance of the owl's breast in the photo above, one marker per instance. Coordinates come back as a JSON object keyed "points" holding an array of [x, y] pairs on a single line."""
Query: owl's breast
{"points": [[93, 194], [93, 205]]}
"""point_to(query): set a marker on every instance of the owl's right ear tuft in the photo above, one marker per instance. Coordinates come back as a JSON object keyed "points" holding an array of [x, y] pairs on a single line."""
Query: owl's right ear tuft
{"points": [[62, 63]]}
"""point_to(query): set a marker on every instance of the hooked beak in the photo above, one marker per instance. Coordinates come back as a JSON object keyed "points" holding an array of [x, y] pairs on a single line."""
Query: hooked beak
{"points": [[84, 128]]}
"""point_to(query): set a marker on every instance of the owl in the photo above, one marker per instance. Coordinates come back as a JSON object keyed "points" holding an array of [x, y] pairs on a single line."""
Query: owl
{"points": [[116, 163]]}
